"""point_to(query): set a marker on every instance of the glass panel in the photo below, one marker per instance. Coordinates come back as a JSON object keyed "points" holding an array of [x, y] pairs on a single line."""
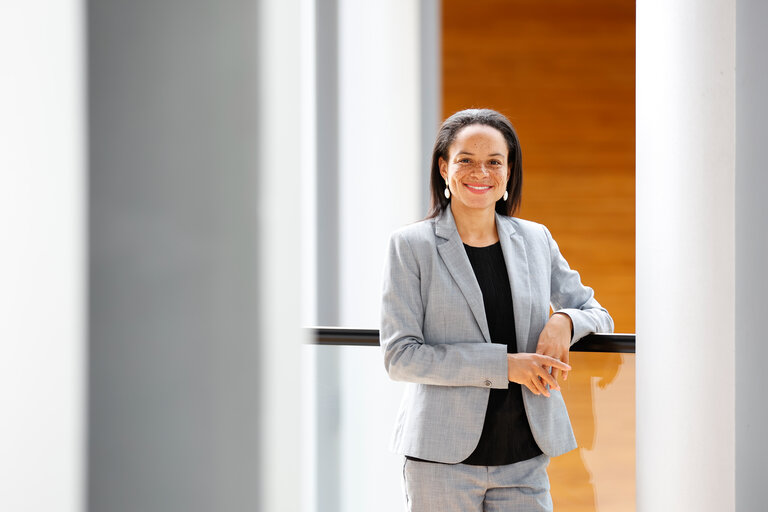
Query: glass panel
{"points": [[600, 474], [356, 406]]}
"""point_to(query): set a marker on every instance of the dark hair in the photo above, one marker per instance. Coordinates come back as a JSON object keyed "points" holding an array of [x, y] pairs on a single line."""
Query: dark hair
{"points": [[445, 137]]}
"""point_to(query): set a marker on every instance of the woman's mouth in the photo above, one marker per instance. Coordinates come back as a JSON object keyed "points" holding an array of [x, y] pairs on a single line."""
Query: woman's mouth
{"points": [[478, 189]]}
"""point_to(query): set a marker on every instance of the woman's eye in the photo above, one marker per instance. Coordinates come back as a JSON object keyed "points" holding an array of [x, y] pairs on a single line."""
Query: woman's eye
{"points": [[464, 161], [495, 162]]}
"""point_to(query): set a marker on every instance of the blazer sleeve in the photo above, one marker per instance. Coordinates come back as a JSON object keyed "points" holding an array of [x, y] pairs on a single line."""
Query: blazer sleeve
{"points": [[568, 295], [406, 355]]}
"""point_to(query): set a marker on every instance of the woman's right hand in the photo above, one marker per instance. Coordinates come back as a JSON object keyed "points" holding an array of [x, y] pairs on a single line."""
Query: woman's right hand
{"points": [[533, 371]]}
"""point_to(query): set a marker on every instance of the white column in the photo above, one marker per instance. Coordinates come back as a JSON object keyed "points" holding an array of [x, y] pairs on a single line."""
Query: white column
{"points": [[380, 165], [42, 257], [279, 195], [686, 340]]}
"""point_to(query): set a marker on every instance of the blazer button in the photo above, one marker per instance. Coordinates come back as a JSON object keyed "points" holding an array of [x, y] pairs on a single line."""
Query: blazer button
{"points": [[488, 383]]}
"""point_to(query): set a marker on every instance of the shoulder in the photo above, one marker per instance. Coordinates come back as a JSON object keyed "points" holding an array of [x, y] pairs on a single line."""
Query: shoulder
{"points": [[531, 231], [414, 242], [416, 233]]}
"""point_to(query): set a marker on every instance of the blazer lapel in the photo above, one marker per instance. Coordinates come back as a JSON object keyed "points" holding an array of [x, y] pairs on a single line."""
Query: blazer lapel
{"points": [[513, 247], [451, 250]]}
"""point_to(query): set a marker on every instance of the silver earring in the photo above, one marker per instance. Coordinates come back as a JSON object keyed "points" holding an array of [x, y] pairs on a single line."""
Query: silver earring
{"points": [[506, 195], [447, 192]]}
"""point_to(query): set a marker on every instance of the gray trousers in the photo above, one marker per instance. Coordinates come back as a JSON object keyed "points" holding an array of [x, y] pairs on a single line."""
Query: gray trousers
{"points": [[523, 487]]}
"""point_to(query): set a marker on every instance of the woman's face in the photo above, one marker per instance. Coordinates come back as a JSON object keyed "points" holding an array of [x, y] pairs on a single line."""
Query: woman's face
{"points": [[477, 169]]}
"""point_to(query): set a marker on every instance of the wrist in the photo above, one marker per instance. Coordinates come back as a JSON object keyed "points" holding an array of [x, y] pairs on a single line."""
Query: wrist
{"points": [[565, 320]]}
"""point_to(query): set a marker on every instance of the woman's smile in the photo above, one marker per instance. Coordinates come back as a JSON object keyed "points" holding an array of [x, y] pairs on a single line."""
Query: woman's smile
{"points": [[478, 189]]}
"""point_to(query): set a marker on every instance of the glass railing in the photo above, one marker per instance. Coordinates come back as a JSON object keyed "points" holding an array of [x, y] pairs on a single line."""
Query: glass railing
{"points": [[357, 405]]}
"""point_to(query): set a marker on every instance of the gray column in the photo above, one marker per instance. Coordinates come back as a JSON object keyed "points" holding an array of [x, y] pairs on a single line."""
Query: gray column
{"points": [[326, 389], [751, 387], [430, 86], [193, 327]]}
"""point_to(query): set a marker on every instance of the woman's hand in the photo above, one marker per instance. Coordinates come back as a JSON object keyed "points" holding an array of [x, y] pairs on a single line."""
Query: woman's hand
{"points": [[532, 371], [555, 342]]}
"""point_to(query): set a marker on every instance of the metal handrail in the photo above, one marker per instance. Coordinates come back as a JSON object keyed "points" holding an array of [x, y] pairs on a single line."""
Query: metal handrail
{"points": [[620, 343]]}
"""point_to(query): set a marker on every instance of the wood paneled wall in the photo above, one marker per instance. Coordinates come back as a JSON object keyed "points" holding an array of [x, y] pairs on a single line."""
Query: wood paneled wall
{"points": [[563, 71]]}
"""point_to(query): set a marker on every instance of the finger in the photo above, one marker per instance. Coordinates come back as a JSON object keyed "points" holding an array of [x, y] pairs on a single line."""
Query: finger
{"points": [[540, 385], [567, 360], [546, 366], [548, 387], [551, 361], [531, 387], [537, 386], [562, 372], [548, 379]]}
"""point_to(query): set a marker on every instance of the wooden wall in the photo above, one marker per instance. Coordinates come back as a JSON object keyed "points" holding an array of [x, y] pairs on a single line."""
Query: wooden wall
{"points": [[563, 71]]}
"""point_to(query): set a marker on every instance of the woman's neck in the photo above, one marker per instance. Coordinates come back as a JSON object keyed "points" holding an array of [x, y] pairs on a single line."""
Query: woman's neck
{"points": [[476, 227]]}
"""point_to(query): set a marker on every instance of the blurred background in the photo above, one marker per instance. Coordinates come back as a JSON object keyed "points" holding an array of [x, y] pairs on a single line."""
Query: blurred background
{"points": [[199, 181], [188, 185]]}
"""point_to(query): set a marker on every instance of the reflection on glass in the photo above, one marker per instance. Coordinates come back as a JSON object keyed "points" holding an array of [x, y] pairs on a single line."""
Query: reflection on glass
{"points": [[600, 474]]}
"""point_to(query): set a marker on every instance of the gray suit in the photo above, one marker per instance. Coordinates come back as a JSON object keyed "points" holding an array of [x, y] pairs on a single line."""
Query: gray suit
{"points": [[434, 334]]}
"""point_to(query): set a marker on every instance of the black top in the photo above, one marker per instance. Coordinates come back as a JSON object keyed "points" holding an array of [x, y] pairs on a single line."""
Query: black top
{"points": [[506, 436]]}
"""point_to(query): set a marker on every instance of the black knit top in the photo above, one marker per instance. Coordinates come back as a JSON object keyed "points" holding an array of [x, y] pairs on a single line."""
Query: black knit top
{"points": [[506, 436]]}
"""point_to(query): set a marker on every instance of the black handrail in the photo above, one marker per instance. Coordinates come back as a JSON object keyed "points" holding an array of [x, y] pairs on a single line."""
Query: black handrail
{"points": [[621, 343]]}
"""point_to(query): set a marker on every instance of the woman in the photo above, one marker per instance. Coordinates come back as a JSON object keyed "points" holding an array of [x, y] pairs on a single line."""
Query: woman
{"points": [[465, 320]]}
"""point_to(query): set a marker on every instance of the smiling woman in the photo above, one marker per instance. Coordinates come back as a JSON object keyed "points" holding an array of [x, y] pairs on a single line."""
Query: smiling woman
{"points": [[466, 322]]}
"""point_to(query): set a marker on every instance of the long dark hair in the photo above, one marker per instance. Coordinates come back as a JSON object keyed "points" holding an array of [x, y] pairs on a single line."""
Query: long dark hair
{"points": [[445, 137]]}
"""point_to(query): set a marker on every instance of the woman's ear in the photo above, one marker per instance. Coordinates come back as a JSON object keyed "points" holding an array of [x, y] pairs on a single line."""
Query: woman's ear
{"points": [[443, 167]]}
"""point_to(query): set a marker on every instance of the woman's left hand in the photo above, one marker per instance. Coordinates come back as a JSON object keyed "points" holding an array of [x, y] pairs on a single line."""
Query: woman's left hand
{"points": [[555, 341]]}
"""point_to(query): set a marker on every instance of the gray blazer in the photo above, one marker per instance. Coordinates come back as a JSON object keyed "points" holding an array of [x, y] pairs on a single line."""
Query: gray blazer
{"points": [[434, 334]]}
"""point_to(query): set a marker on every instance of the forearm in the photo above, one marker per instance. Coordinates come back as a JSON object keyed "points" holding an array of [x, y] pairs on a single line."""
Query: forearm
{"points": [[455, 364], [587, 320]]}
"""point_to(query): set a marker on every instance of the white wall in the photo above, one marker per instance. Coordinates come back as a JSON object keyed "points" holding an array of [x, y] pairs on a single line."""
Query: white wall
{"points": [[42, 257]]}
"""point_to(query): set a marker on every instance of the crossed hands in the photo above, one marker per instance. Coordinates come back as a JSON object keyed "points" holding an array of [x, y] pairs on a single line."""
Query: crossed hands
{"points": [[539, 370]]}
